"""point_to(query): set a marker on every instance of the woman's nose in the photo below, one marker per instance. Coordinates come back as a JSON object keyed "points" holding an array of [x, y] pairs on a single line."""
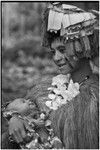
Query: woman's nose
{"points": [[58, 56]]}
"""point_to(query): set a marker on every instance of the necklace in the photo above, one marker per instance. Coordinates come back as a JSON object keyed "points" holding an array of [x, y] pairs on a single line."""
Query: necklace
{"points": [[86, 78], [63, 90]]}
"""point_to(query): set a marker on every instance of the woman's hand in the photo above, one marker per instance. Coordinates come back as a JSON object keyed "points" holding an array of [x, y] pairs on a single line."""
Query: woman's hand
{"points": [[21, 105], [18, 128]]}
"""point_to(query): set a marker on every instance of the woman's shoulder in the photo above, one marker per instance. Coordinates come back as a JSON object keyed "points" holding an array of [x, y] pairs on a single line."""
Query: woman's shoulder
{"points": [[90, 87]]}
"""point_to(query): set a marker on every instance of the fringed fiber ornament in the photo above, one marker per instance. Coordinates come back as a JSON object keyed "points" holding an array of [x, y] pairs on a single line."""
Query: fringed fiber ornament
{"points": [[70, 48], [85, 44], [78, 47]]}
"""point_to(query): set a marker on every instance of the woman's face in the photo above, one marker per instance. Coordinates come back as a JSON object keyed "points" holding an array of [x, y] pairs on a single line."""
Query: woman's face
{"points": [[66, 61]]}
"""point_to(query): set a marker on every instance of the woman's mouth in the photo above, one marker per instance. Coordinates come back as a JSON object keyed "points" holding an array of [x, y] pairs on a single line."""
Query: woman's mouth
{"points": [[61, 64], [64, 69], [67, 63]]}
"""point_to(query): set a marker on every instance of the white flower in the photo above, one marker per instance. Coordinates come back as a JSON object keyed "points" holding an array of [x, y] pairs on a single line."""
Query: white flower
{"points": [[48, 123], [59, 100], [73, 86], [75, 93], [52, 96], [77, 86], [63, 101], [56, 91], [70, 86], [62, 87], [67, 93], [48, 103], [54, 105], [42, 116], [51, 88], [60, 79]]}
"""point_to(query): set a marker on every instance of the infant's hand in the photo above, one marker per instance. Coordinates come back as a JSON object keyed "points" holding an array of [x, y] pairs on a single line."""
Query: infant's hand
{"points": [[18, 129], [20, 105]]}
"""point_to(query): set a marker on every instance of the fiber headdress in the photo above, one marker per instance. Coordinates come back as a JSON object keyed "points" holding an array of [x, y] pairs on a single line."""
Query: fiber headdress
{"points": [[70, 23]]}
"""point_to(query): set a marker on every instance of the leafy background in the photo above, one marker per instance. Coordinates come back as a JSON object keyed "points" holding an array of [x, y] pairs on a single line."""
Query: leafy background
{"points": [[24, 60]]}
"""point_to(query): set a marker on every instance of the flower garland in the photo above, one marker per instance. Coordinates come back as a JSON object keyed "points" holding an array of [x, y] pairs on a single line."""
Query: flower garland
{"points": [[63, 90]]}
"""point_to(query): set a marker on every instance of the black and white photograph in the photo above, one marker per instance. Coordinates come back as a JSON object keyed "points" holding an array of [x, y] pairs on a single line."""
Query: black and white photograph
{"points": [[49, 74]]}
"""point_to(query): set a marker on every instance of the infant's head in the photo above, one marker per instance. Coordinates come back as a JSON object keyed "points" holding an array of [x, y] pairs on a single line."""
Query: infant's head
{"points": [[21, 105]]}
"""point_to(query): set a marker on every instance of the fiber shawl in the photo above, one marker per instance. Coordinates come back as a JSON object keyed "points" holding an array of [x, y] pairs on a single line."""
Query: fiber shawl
{"points": [[76, 123], [39, 94]]}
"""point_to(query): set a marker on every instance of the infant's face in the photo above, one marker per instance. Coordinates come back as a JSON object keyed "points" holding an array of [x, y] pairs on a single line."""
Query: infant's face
{"points": [[20, 105]]}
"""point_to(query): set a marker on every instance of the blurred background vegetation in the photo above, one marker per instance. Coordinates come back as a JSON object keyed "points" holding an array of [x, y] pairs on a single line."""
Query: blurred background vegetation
{"points": [[21, 27], [24, 60]]}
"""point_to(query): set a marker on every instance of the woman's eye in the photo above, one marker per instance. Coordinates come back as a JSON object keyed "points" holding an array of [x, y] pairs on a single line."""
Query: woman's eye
{"points": [[52, 52], [61, 50]]}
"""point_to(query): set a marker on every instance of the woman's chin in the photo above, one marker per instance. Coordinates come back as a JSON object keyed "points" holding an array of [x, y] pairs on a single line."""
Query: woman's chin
{"points": [[65, 69]]}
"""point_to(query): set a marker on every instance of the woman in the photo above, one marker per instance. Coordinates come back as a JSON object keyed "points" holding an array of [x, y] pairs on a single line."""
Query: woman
{"points": [[75, 123]]}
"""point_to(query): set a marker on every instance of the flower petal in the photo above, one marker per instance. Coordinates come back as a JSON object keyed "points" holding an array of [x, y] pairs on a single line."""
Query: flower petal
{"points": [[56, 91], [52, 96], [48, 123], [77, 86], [48, 103]]}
